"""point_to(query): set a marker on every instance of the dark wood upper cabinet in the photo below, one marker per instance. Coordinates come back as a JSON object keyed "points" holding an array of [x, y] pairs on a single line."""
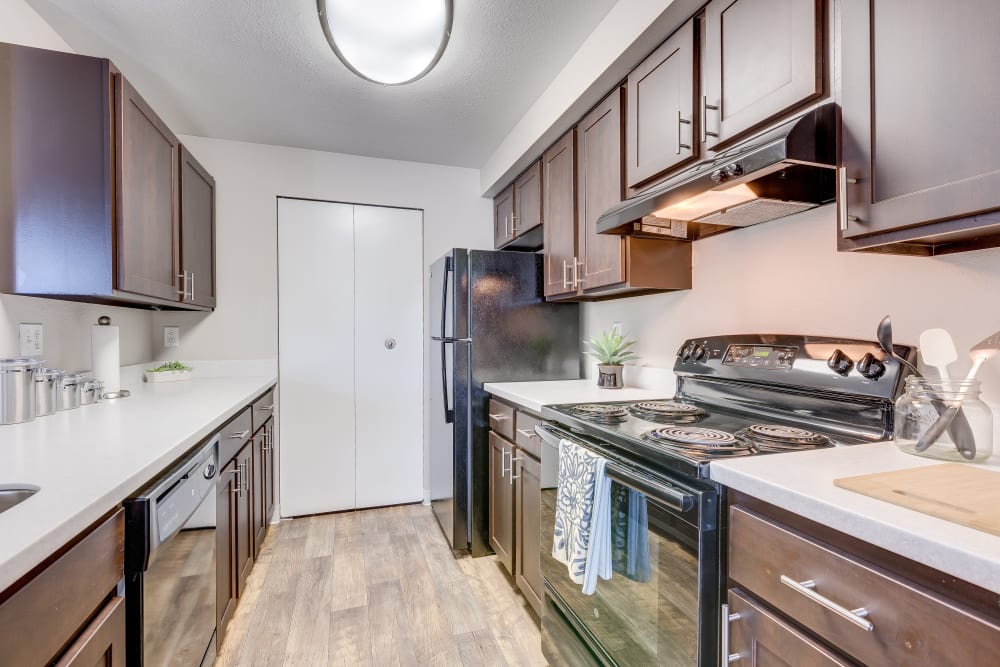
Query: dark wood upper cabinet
{"points": [[528, 200], [503, 214], [662, 125], [90, 181], [148, 198], [761, 59], [559, 212], [599, 187], [197, 231], [921, 173]]}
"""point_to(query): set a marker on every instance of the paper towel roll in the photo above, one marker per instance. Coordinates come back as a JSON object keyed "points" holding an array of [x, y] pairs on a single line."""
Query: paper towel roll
{"points": [[104, 355]]}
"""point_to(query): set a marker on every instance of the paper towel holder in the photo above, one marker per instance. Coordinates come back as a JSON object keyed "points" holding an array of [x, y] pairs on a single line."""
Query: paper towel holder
{"points": [[104, 321]]}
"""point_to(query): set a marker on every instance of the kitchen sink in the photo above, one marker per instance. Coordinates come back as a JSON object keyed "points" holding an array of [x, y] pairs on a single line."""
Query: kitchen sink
{"points": [[15, 494]]}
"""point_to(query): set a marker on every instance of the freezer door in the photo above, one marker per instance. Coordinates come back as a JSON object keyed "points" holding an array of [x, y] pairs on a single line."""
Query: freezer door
{"points": [[449, 432]]}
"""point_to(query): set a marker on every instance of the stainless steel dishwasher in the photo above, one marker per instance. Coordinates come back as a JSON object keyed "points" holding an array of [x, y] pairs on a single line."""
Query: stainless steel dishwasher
{"points": [[170, 568]]}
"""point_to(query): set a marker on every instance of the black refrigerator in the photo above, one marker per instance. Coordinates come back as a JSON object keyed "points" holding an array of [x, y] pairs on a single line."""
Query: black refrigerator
{"points": [[489, 323]]}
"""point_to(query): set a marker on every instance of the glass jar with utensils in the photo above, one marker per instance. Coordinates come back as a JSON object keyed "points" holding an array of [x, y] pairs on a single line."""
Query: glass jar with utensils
{"points": [[944, 419]]}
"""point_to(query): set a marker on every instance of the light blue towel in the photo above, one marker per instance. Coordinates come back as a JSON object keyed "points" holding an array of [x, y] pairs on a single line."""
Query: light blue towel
{"points": [[582, 535]]}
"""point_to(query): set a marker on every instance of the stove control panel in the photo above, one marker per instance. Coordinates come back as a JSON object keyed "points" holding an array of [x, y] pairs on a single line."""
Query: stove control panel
{"points": [[766, 357]]}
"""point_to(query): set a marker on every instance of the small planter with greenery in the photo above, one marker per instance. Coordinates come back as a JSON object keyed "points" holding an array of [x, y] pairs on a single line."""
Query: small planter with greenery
{"points": [[611, 351], [171, 371]]}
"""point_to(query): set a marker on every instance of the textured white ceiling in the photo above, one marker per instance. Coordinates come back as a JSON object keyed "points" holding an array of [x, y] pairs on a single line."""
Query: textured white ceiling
{"points": [[262, 71]]}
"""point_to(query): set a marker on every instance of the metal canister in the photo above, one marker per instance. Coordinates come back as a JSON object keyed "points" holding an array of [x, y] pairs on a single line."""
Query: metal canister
{"points": [[46, 390], [17, 390], [70, 385], [91, 392]]}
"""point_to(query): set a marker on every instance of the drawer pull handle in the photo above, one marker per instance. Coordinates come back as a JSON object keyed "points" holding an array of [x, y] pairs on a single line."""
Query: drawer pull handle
{"points": [[728, 618], [240, 435], [267, 407], [498, 418], [807, 589], [527, 433]]}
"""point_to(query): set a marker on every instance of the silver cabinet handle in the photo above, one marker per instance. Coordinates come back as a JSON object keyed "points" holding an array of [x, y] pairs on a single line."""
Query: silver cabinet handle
{"points": [[183, 291], [565, 269], [245, 477], [498, 418], [237, 486], [503, 461], [506, 228], [681, 122], [705, 106], [576, 273], [512, 475], [842, 182], [527, 432], [513, 225], [267, 407], [727, 618], [807, 589], [240, 435]]}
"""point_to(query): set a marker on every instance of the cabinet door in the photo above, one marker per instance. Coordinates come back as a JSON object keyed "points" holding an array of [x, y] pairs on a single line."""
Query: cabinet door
{"points": [[559, 213], [257, 490], [761, 58], [528, 200], [269, 471], [661, 126], [918, 158], [503, 214], [197, 231], [148, 220], [761, 639], [244, 517], [501, 501], [102, 643], [599, 187], [225, 547], [528, 524]]}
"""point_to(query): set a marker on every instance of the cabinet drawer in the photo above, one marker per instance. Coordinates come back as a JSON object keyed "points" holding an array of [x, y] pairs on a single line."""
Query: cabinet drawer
{"points": [[524, 434], [42, 617], [758, 637], [234, 435], [909, 625], [263, 408], [501, 417]]}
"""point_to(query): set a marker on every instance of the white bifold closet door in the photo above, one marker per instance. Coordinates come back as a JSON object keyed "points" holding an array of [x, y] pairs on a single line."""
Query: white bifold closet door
{"points": [[350, 313]]}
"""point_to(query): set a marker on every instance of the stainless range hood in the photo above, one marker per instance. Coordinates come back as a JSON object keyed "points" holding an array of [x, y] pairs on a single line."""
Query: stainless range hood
{"points": [[788, 169]]}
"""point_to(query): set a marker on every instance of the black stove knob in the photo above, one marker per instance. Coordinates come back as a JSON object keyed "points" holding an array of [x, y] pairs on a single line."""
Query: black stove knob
{"points": [[699, 352], [687, 352], [840, 363], [870, 367]]}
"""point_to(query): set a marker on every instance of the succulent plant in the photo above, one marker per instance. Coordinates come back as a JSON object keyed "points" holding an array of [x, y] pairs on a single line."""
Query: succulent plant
{"points": [[169, 366], [611, 348]]}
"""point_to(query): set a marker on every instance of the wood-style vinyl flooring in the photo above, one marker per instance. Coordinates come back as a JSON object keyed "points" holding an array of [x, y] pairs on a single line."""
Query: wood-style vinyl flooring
{"points": [[376, 587]]}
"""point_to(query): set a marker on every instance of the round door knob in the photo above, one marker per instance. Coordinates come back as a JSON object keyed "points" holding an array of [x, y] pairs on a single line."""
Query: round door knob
{"points": [[840, 363], [390, 343], [870, 367]]}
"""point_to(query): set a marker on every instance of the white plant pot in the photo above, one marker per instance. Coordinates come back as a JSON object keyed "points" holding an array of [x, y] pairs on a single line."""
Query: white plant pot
{"points": [[168, 376]]}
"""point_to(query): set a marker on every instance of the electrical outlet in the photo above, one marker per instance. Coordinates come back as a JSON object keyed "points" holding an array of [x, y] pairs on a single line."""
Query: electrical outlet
{"points": [[30, 336], [617, 329], [171, 336]]}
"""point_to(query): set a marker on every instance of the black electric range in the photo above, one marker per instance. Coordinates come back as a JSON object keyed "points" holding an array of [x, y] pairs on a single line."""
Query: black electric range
{"points": [[739, 395]]}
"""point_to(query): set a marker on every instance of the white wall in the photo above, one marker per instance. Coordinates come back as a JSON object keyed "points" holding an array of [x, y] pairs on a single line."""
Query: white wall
{"points": [[250, 177], [786, 276], [67, 325]]}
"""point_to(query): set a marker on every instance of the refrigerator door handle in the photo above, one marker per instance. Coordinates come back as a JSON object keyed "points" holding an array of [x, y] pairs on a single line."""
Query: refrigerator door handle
{"points": [[448, 269], [449, 413]]}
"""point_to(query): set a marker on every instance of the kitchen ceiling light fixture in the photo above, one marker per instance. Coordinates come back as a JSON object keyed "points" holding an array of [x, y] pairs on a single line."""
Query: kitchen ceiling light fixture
{"points": [[391, 42]]}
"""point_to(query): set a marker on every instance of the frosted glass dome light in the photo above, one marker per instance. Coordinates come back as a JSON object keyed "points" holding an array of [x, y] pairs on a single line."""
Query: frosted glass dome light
{"points": [[387, 41]]}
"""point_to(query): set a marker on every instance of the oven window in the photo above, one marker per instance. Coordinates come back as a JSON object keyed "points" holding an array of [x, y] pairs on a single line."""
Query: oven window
{"points": [[647, 613]]}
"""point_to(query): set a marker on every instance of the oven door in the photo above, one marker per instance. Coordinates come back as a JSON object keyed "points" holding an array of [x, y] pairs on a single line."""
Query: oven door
{"points": [[661, 604]]}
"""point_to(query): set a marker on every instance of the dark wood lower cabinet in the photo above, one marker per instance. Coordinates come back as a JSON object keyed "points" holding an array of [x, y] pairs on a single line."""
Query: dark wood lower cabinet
{"points": [[263, 483], [244, 517], [501, 501], [102, 644], [225, 552], [269, 487], [761, 638], [527, 522]]}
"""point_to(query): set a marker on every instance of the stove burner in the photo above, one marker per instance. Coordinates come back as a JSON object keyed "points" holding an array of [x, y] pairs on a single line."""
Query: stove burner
{"points": [[667, 412], [778, 438], [698, 442], [602, 413]]}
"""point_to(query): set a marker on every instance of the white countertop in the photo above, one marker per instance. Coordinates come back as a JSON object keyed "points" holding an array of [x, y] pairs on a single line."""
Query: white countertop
{"points": [[802, 482], [533, 395], [88, 460]]}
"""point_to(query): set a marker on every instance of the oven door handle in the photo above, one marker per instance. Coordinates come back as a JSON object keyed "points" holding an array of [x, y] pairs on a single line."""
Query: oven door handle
{"points": [[668, 494]]}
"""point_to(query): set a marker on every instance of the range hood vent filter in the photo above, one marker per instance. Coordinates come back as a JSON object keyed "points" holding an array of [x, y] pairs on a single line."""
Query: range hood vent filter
{"points": [[755, 211]]}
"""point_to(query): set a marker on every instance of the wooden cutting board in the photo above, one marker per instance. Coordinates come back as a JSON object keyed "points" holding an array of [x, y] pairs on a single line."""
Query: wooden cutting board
{"points": [[951, 491]]}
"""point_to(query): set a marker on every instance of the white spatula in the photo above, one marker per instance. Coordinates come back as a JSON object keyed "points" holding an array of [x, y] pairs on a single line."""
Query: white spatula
{"points": [[938, 350]]}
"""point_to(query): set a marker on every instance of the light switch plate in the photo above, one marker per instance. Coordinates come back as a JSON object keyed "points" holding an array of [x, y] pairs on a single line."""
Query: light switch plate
{"points": [[617, 329], [171, 336], [30, 337]]}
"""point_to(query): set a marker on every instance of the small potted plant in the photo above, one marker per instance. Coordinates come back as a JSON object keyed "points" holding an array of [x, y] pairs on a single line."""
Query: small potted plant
{"points": [[171, 371], [611, 350]]}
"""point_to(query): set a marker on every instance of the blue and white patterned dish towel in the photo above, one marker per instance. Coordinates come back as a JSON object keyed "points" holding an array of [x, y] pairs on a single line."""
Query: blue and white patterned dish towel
{"points": [[582, 536]]}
